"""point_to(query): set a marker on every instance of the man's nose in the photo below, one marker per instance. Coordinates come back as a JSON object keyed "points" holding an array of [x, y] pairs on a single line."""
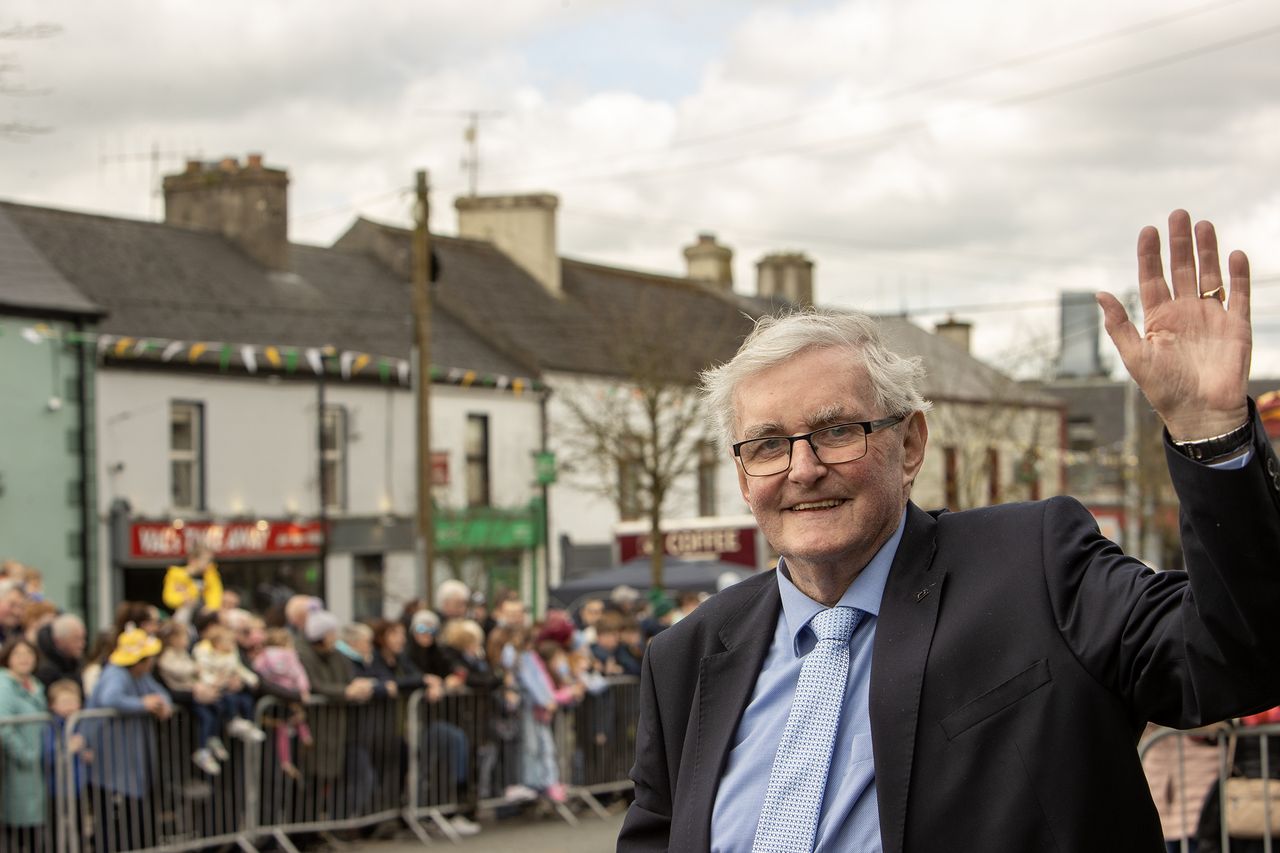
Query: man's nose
{"points": [[805, 465]]}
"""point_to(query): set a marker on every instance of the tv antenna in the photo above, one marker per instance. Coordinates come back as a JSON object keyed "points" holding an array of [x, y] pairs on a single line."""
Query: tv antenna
{"points": [[154, 157], [471, 135]]}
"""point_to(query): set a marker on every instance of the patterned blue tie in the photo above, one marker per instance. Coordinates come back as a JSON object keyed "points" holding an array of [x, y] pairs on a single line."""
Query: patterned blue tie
{"points": [[789, 818]]}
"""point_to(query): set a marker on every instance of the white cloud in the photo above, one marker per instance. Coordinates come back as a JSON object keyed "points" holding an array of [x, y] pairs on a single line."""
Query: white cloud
{"points": [[924, 153]]}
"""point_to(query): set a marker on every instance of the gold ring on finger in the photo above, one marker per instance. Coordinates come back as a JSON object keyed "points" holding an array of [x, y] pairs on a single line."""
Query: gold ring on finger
{"points": [[1217, 293]]}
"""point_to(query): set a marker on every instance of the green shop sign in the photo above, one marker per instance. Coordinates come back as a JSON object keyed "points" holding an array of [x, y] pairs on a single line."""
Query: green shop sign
{"points": [[489, 530]]}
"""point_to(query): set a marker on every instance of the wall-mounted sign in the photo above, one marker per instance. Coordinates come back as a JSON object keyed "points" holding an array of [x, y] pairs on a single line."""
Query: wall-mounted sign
{"points": [[160, 540], [729, 544], [439, 467]]}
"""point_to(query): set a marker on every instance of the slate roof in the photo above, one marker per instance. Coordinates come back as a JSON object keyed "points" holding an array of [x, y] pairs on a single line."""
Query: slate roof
{"points": [[30, 284], [951, 372], [164, 281], [608, 321]]}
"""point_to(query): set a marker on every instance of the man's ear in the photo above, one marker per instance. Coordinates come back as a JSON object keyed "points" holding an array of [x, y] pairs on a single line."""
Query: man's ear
{"points": [[915, 435]]}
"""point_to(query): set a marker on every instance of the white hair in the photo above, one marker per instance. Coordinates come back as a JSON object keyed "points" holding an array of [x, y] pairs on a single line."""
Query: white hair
{"points": [[452, 589], [66, 625], [895, 380]]}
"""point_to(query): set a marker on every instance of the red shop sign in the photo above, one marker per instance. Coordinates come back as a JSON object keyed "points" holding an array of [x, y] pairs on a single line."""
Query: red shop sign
{"points": [[154, 540]]}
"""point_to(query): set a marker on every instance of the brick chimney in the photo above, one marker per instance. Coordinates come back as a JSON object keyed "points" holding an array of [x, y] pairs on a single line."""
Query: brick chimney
{"points": [[709, 261], [246, 204], [956, 331], [523, 227], [788, 275]]}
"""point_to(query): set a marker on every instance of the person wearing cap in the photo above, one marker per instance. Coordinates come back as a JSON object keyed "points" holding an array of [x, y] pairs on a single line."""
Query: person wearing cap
{"points": [[126, 745], [330, 674]]}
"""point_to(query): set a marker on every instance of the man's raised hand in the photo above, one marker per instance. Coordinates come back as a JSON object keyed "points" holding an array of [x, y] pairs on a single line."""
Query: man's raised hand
{"points": [[1192, 359]]}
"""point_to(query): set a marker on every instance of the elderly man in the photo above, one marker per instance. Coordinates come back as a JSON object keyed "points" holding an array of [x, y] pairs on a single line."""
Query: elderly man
{"points": [[12, 602], [61, 644], [913, 681], [453, 597]]}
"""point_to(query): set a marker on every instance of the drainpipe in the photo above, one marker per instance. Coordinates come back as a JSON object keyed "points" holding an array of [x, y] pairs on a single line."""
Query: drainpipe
{"points": [[88, 515]]}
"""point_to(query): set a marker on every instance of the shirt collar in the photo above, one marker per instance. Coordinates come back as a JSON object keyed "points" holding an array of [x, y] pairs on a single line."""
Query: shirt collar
{"points": [[864, 593]]}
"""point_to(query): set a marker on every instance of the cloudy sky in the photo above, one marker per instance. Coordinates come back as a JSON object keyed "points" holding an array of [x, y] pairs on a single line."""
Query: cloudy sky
{"points": [[931, 157]]}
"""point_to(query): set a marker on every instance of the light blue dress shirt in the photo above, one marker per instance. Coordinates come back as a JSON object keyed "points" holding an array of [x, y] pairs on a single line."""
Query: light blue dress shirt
{"points": [[849, 822]]}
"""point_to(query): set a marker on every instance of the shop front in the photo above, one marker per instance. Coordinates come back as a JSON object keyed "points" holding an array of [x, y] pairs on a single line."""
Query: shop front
{"points": [[265, 560]]}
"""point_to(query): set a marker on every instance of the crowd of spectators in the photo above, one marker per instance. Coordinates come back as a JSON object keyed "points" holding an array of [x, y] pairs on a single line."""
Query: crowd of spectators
{"points": [[200, 651]]}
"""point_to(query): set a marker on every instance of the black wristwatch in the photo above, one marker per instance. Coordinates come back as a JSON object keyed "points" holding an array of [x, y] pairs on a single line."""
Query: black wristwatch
{"points": [[1217, 447]]}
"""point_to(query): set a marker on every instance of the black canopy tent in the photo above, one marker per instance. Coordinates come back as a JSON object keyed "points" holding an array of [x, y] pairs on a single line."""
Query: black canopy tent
{"points": [[678, 575]]}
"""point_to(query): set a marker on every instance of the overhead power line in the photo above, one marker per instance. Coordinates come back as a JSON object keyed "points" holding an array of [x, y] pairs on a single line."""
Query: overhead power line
{"points": [[916, 87]]}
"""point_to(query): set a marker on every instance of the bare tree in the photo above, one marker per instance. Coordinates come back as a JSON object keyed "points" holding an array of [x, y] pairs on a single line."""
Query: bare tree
{"points": [[10, 129], [635, 435]]}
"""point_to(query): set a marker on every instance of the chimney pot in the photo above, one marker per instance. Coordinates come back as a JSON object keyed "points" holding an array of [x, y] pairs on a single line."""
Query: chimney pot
{"points": [[956, 331], [523, 227], [709, 261], [785, 275], [247, 206]]}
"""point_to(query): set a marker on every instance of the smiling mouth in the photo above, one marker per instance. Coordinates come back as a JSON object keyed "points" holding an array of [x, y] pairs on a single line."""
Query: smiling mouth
{"points": [[812, 505]]}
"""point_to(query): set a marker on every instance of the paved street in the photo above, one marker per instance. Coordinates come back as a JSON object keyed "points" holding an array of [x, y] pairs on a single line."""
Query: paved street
{"points": [[546, 835]]}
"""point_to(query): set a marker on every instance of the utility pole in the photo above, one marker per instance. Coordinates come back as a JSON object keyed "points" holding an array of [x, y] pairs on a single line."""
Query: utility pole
{"points": [[422, 372]]}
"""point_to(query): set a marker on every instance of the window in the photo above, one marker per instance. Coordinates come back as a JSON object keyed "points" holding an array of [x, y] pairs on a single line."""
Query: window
{"points": [[367, 587], [708, 460], [951, 477], [186, 455], [333, 458], [993, 476], [477, 460]]}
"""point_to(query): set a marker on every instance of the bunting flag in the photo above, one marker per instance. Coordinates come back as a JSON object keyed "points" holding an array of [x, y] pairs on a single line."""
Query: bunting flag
{"points": [[349, 363]]}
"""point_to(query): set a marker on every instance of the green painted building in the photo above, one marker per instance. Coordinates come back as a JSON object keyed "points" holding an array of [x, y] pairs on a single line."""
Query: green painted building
{"points": [[47, 490]]}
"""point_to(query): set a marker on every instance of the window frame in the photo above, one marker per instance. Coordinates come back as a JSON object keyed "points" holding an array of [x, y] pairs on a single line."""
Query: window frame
{"points": [[478, 459], [194, 456], [334, 458]]}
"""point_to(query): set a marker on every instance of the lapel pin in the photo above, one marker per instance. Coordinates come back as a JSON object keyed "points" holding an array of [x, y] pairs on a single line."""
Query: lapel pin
{"points": [[922, 593]]}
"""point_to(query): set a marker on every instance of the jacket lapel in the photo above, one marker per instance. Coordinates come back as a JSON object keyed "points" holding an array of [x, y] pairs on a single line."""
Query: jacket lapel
{"points": [[904, 631], [725, 682]]}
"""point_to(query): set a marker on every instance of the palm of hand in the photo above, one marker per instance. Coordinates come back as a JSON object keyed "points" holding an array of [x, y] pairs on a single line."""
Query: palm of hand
{"points": [[1192, 361]]}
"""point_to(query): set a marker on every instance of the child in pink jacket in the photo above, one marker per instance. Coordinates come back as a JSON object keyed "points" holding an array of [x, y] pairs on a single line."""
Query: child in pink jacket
{"points": [[278, 663]]}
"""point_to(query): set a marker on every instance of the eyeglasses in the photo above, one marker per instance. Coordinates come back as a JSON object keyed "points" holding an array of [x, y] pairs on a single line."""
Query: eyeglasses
{"points": [[423, 629], [764, 457]]}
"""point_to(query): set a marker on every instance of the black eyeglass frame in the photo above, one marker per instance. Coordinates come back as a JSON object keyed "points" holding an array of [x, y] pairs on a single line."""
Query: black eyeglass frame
{"points": [[868, 427]]}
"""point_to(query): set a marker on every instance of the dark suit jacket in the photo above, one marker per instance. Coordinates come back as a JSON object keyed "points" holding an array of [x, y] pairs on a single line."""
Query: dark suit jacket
{"points": [[1018, 655]]}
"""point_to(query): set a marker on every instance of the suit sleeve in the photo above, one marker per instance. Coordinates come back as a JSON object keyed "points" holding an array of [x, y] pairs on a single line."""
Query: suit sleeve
{"points": [[648, 823], [1181, 649]]}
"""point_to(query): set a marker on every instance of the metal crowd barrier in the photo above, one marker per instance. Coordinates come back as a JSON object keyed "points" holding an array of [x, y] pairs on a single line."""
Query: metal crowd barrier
{"points": [[114, 782], [29, 775], [137, 789], [1252, 758]]}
